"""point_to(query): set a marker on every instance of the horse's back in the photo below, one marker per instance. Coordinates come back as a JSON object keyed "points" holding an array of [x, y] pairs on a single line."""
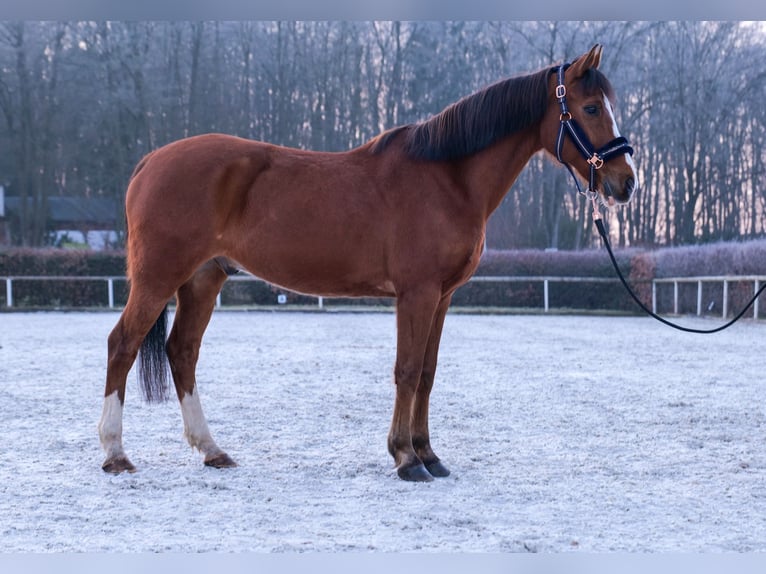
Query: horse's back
{"points": [[272, 209], [346, 223], [209, 164]]}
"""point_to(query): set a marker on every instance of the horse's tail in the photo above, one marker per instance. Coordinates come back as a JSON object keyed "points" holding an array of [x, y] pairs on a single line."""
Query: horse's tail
{"points": [[153, 363]]}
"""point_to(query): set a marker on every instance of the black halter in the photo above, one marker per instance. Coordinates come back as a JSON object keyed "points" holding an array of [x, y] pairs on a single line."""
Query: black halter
{"points": [[568, 125], [596, 160]]}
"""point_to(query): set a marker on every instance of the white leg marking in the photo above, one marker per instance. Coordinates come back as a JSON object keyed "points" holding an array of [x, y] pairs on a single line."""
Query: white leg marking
{"points": [[196, 430], [110, 427]]}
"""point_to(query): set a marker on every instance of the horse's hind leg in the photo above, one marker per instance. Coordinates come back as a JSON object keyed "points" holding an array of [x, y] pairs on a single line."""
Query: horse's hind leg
{"points": [[143, 308], [194, 307]]}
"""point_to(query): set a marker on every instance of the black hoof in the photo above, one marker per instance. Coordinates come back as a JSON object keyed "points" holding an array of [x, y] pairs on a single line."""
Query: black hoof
{"points": [[414, 473], [221, 461], [437, 469], [118, 465]]}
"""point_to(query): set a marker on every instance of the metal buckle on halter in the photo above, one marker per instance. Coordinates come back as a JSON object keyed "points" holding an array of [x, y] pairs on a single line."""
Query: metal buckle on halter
{"points": [[590, 194], [565, 117], [561, 91], [596, 161], [594, 199]]}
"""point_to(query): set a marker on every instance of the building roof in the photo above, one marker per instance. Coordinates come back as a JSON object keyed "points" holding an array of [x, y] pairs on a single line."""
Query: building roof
{"points": [[63, 210]]}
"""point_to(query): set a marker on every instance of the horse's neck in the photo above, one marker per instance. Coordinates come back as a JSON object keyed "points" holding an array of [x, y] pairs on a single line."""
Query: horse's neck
{"points": [[490, 173]]}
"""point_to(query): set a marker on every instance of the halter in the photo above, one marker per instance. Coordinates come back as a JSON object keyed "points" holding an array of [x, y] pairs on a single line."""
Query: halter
{"points": [[569, 126], [596, 160]]}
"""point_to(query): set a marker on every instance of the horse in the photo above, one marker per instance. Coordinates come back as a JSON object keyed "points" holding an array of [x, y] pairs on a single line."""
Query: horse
{"points": [[402, 216]]}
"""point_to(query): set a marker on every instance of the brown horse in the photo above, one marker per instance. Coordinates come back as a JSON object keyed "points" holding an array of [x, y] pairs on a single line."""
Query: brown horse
{"points": [[402, 216]]}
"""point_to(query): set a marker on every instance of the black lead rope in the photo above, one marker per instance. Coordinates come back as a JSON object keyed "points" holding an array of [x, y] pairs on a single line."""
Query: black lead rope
{"points": [[602, 231], [596, 158]]}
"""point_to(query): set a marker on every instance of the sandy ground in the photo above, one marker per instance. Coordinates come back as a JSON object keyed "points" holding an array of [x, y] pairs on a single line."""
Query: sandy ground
{"points": [[564, 434]]}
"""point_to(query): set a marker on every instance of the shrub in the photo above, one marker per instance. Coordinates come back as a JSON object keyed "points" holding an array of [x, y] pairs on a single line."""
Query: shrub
{"points": [[639, 266], [58, 262], [731, 258], [47, 262], [528, 262], [536, 263], [715, 259]]}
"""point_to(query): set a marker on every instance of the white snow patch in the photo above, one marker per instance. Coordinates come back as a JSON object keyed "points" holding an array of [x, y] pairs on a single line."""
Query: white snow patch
{"points": [[563, 433]]}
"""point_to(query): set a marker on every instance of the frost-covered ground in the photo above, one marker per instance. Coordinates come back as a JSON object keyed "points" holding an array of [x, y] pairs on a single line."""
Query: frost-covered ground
{"points": [[564, 434]]}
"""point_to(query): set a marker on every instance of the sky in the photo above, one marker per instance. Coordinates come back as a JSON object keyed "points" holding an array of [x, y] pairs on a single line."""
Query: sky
{"points": [[390, 9]]}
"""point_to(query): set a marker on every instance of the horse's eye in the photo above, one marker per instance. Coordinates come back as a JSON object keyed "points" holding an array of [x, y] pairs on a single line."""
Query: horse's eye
{"points": [[591, 110]]}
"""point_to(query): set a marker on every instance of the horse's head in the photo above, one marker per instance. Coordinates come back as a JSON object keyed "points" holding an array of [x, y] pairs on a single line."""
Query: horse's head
{"points": [[579, 128]]}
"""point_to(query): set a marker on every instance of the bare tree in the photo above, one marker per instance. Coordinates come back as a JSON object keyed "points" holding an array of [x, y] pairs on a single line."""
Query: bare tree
{"points": [[81, 102]]}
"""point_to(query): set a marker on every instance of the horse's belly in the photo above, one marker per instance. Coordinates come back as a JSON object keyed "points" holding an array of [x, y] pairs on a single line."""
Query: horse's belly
{"points": [[319, 273], [328, 286]]}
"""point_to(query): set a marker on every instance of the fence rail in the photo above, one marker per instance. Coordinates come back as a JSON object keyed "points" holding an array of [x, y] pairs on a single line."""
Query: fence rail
{"points": [[546, 281], [107, 280], [725, 280]]}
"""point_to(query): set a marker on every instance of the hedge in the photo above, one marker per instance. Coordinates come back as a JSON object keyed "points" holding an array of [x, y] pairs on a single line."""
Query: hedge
{"points": [[47, 262], [640, 266], [715, 259], [60, 262]]}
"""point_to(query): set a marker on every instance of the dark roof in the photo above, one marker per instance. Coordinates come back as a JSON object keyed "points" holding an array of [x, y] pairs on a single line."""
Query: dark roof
{"points": [[70, 209]]}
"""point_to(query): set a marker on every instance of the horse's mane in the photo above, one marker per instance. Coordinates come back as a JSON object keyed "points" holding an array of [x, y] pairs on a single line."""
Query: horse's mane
{"points": [[477, 121]]}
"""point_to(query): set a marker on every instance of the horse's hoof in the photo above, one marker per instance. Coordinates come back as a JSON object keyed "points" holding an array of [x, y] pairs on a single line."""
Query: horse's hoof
{"points": [[414, 473], [117, 465], [221, 460], [437, 469]]}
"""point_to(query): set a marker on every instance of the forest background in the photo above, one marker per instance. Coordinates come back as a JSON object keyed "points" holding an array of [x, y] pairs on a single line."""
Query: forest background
{"points": [[82, 102]]}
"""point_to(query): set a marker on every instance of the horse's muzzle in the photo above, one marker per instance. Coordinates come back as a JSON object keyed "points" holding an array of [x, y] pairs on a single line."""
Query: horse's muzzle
{"points": [[618, 191]]}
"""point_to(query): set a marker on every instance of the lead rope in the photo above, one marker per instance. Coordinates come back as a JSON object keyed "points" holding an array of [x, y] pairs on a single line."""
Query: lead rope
{"points": [[596, 159], [602, 231]]}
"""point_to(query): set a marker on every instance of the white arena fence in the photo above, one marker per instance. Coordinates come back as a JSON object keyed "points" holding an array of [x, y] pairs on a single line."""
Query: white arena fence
{"points": [[711, 294]]}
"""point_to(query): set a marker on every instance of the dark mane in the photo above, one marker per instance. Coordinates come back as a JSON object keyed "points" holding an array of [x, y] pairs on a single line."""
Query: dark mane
{"points": [[477, 121]]}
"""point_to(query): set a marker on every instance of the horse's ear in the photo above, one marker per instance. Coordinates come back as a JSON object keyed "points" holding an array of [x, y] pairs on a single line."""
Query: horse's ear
{"points": [[585, 62]]}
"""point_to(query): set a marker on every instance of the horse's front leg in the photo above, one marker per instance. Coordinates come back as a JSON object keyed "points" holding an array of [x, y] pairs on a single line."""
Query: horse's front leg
{"points": [[414, 317], [421, 438]]}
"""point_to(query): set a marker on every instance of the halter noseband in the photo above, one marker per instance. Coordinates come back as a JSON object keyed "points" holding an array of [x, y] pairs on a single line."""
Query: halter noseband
{"points": [[569, 126]]}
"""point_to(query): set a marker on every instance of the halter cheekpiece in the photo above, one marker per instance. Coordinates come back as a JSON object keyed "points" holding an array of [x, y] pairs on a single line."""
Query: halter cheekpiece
{"points": [[569, 126]]}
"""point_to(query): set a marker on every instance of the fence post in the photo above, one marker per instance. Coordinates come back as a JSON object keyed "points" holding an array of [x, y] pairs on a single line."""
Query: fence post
{"points": [[725, 298], [545, 295], [110, 288], [755, 305], [320, 302], [9, 292], [699, 298], [654, 296], [675, 297]]}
